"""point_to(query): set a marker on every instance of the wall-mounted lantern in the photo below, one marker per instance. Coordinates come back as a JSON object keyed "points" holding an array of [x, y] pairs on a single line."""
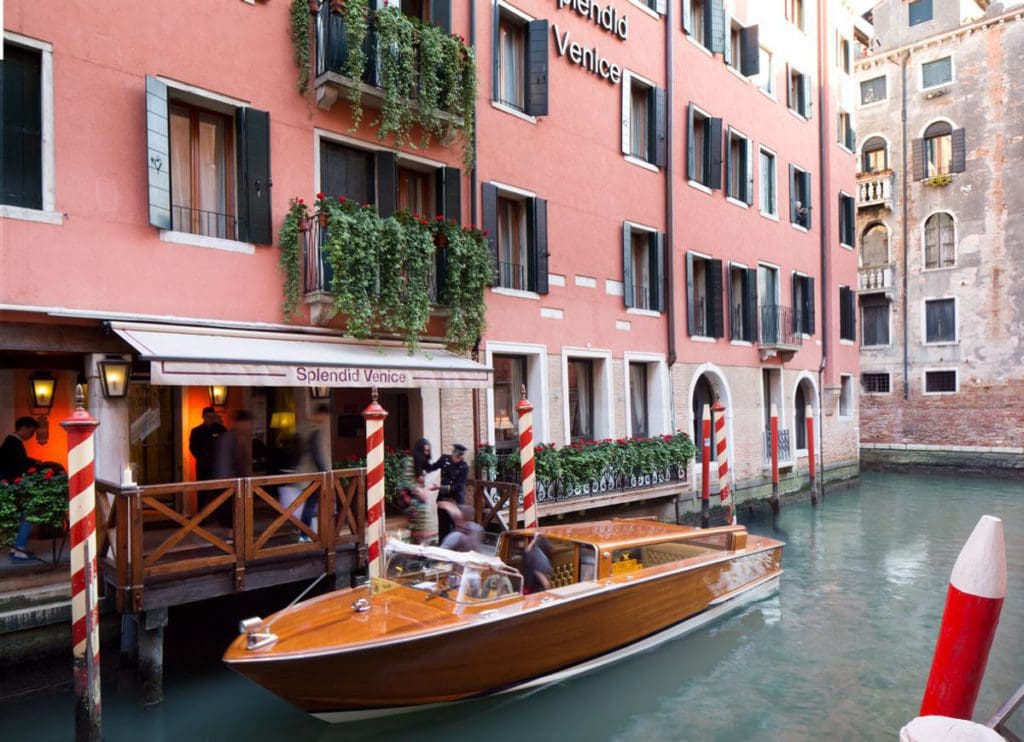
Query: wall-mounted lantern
{"points": [[320, 392], [114, 375], [218, 395], [41, 387]]}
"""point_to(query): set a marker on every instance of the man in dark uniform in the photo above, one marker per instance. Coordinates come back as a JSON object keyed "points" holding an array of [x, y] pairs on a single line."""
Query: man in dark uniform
{"points": [[203, 443], [454, 473]]}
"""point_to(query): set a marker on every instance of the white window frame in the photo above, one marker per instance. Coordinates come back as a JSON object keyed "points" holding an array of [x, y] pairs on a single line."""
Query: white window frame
{"points": [[924, 244], [646, 228], [770, 92], [865, 140], [799, 170], [860, 103], [956, 321], [749, 145], [924, 381], [841, 140], [495, 102], [773, 215], [952, 72], [628, 76], [49, 213], [604, 415], [887, 374], [860, 317], [659, 410], [800, 453], [696, 183], [536, 385], [846, 382]]}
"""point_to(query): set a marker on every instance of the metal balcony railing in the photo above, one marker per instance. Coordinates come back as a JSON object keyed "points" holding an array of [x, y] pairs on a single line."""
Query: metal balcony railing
{"points": [[512, 276], [875, 189], [205, 223], [876, 278], [777, 327], [785, 449], [641, 297]]}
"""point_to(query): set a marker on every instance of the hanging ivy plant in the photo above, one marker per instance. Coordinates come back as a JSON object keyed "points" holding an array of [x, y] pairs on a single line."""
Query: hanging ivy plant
{"points": [[405, 297], [353, 233], [356, 14], [469, 272], [396, 52], [302, 41], [291, 255]]}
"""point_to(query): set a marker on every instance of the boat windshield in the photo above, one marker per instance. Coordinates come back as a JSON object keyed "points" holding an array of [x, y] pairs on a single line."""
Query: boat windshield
{"points": [[455, 576]]}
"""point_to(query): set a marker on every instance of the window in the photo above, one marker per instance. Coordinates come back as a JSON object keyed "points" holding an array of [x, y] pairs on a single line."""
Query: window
{"points": [[795, 13], [874, 246], [520, 78], [919, 11], [798, 93], [872, 91], [639, 413], [936, 73], [939, 241], [347, 171], [874, 320], [739, 168], [704, 148], [202, 166], [695, 23], [941, 151], [509, 377], [517, 236], [803, 304], [21, 127], [803, 396], [940, 382], [875, 156], [734, 47], [845, 395], [847, 220], [743, 49], [875, 383], [581, 399], [799, 197], [769, 200], [772, 327], [643, 261], [847, 137], [704, 311], [644, 119], [415, 191], [940, 321], [844, 56], [847, 314], [742, 303], [765, 77]]}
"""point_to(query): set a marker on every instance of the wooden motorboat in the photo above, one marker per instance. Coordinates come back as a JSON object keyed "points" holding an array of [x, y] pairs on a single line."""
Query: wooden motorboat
{"points": [[444, 626]]}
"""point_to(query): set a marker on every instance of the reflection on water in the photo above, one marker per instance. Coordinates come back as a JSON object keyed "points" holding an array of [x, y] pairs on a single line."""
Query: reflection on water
{"points": [[841, 651]]}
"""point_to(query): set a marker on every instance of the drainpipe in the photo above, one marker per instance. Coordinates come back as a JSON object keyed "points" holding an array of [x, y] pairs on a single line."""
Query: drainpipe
{"points": [[904, 57], [824, 222], [670, 288]]}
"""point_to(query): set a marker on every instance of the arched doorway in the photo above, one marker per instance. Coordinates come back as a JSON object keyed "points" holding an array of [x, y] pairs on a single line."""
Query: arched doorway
{"points": [[703, 394], [803, 396]]}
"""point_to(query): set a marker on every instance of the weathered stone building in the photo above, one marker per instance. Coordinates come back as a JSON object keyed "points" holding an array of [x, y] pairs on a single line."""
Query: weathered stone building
{"points": [[940, 230]]}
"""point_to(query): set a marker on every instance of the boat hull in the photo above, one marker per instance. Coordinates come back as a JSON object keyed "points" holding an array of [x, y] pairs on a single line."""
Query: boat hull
{"points": [[548, 640]]}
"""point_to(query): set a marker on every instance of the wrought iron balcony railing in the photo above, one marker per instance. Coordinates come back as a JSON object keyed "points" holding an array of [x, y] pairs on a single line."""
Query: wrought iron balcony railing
{"points": [[777, 327], [785, 449], [205, 223]]}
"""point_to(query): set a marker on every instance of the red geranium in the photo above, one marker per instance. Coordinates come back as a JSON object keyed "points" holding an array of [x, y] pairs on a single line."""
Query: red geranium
{"points": [[31, 470], [341, 199], [49, 474], [17, 480], [320, 195]]}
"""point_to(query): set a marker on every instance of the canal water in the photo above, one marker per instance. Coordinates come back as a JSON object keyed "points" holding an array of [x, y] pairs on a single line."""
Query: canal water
{"points": [[842, 651]]}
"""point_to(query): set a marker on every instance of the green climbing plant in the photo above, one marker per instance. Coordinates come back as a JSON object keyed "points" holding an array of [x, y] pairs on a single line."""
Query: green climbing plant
{"points": [[470, 270], [290, 259], [302, 41], [396, 54], [357, 27]]}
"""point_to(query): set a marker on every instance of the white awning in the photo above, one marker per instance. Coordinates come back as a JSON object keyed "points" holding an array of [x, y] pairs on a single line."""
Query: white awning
{"points": [[201, 356]]}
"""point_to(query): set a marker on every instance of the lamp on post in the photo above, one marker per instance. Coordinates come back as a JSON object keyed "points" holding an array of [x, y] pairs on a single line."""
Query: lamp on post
{"points": [[320, 392], [115, 373], [218, 395]]}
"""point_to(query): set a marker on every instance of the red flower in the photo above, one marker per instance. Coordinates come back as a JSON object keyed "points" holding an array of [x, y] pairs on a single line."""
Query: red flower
{"points": [[439, 218], [49, 474], [320, 195], [341, 199], [485, 233], [4, 482], [301, 201], [366, 206], [31, 470], [423, 222], [17, 480]]}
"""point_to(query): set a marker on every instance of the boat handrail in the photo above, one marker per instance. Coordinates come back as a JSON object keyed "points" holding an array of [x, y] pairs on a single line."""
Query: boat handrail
{"points": [[998, 721], [465, 558]]}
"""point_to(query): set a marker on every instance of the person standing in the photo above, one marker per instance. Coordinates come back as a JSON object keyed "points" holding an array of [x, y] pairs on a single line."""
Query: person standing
{"points": [[233, 459], [311, 457], [15, 463], [454, 474], [203, 443]]}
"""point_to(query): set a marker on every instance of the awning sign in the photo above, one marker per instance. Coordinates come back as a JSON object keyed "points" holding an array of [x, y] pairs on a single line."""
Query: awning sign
{"points": [[180, 373]]}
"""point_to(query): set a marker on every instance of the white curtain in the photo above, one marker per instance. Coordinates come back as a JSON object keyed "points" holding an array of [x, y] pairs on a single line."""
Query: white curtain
{"points": [[638, 399], [638, 122]]}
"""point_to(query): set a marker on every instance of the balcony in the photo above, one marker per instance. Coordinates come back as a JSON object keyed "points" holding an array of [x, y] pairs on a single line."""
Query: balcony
{"points": [[877, 279], [777, 335], [318, 273], [330, 61], [876, 189]]}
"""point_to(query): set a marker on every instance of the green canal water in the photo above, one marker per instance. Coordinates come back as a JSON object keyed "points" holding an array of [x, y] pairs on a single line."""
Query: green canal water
{"points": [[842, 651]]}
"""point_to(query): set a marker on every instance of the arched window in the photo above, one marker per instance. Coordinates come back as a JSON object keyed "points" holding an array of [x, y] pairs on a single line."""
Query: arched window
{"points": [[939, 241], [703, 394], [803, 396], [874, 245], [875, 155], [938, 149]]}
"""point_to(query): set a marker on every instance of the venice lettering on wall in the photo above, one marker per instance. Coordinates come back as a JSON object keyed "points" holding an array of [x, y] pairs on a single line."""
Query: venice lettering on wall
{"points": [[590, 59], [350, 376]]}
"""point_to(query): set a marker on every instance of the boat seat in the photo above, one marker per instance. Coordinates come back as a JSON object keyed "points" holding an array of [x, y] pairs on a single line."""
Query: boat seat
{"points": [[665, 553]]}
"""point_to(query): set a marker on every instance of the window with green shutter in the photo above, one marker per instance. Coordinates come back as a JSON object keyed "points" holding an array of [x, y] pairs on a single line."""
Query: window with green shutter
{"points": [[21, 128], [919, 11], [936, 73]]}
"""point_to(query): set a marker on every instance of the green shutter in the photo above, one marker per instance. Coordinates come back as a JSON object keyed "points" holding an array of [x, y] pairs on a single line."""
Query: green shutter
{"points": [[691, 163], [716, 299], [158, 153], [714, 161], [656, 256], [256, 222], [539, 244], [489, 217], [628, 295], [691, 318], [387, 183]]}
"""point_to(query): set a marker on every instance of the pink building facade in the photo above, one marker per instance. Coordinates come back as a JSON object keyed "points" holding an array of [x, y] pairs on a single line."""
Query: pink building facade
{"points": [[665, 187]]}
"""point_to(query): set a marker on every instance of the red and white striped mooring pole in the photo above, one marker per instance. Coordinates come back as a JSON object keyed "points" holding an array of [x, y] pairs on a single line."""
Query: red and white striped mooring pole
{"points": [[526, 462], [811, 462], [85, 624], [974, 600], [705, 467], [774, 444], [721, 448], [375, 416]]}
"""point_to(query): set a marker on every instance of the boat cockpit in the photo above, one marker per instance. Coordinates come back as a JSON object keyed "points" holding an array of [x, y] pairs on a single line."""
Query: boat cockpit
{"points": [[465, 578]]}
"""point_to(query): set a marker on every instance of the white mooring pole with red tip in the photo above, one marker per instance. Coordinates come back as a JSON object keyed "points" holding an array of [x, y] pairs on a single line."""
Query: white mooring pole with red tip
{"points": [[721, 448], [85, 623], [974, 600], [375, 416], [526, 462]]}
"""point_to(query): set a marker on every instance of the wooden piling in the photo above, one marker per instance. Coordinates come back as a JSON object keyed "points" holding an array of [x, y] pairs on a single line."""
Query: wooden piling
{"points": [[705, 468], [775, 459], [811, 461], [151, 656]]}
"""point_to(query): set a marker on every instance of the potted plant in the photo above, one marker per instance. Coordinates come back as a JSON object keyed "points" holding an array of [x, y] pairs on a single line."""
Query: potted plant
{"points": [[938, 181]]}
